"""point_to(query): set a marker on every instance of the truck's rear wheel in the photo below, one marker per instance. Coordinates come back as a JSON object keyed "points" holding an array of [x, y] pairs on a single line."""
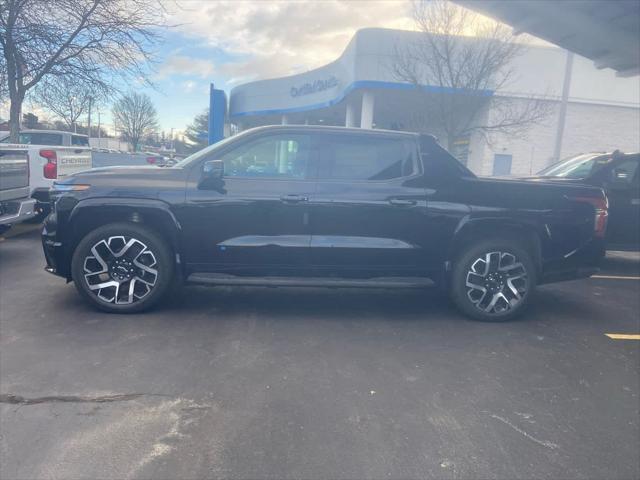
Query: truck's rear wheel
{"points": [[493, 280], [122, 268]]}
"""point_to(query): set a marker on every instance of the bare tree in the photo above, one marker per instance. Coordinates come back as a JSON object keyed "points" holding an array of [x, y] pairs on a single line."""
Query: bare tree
{"points": [[66, 98], [460, 62], [135, 117], [3, 82], [93, 41]]}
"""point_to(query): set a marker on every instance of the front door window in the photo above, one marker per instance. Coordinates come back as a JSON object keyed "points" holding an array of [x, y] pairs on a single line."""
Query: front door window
{"points": [[277, 156]]}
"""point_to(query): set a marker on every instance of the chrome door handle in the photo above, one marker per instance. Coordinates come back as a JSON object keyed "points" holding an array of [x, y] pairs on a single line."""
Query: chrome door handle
{"points": [[294, 198], [402, 202]]}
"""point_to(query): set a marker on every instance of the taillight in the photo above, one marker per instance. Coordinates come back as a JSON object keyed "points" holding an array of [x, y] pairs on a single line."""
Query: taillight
{"points": [[151, 160], [601, 207], [50, 169]]}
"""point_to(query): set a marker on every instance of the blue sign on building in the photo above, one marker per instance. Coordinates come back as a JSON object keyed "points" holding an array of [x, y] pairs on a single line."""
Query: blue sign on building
{"points": [[217, 114]]}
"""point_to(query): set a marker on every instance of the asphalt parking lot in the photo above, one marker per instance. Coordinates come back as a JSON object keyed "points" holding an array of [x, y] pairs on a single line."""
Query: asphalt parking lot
{"points": [[316, 383]]}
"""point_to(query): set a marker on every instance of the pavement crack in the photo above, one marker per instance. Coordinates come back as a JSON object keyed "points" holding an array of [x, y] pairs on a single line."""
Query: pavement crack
{"points": [[549, 445], [19, 400]]}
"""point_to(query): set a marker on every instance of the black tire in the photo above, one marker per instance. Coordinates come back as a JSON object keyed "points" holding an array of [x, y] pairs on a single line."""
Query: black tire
{"points": [[516, 272], [135, 263]]}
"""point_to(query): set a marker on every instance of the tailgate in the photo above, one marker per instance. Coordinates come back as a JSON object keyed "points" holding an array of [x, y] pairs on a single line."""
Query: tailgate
{"points": [[14, 171], [72, 160]]}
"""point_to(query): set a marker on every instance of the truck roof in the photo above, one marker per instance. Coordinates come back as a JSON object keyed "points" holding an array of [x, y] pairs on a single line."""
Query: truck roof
{"points": [[329, 128], [35, 130]]}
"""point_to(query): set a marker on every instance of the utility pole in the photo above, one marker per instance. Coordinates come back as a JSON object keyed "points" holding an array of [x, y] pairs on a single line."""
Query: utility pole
{"points": [[566, 86], [89, 119]]}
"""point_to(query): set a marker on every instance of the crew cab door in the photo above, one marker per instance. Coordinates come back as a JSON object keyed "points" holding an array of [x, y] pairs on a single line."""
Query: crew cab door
{"points": [[367, 212], [621, 181], [255, 219]]}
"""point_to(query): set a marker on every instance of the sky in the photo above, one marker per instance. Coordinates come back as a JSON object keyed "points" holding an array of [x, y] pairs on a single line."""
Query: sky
{"points": [[233, 42], [229, 42]]}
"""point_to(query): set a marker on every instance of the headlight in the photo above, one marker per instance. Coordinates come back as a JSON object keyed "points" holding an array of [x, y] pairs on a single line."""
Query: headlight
{"points": [[71, 187]]}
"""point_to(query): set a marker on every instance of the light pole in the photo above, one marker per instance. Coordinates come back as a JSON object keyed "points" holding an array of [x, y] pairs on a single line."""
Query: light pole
{"points": [[89, 118], [99, 139], [562, 114]]}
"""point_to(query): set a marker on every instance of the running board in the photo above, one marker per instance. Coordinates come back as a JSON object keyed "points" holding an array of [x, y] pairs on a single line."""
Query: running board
{"points": [[275, 281]]}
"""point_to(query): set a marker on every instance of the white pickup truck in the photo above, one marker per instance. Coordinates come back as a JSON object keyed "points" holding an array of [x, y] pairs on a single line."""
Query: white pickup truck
{"points": [[16, 204], [54, 138], [52, 155]]}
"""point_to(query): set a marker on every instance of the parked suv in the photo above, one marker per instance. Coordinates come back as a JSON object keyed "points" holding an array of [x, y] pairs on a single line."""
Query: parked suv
{"points": [[320, 206]]}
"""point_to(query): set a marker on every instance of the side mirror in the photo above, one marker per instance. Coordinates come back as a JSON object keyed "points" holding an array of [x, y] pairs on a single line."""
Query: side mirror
{"points": [[213, 169], [212, 176]]}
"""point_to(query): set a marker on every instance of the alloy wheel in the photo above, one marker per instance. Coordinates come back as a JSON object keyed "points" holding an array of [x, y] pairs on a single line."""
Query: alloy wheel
{"points": [[496, 282], [120, 270]]}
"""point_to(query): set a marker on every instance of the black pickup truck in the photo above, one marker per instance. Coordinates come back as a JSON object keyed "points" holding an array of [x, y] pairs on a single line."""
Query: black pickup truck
{"points": [[320, 206], [618, 174]]}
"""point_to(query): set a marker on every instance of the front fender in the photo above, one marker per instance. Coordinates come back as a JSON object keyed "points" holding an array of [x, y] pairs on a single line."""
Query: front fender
{"points": [[122, 204], [88, 214]]}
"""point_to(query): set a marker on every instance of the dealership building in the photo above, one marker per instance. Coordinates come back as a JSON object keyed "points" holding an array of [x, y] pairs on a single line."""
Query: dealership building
{"points": [[360, 89]]}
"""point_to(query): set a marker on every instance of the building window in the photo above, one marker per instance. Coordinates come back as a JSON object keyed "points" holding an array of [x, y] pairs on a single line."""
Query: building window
{"points": [[460, 149], [502, 164]]}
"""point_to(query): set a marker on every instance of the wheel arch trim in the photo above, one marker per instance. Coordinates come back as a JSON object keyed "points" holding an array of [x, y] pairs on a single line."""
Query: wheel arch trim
{"points": [[531, 230], [134, 210]]}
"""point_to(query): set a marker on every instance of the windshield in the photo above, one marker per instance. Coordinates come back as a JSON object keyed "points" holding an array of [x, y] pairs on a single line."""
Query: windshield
{"points": [[205, 151], [575, 167], [80, 140]]}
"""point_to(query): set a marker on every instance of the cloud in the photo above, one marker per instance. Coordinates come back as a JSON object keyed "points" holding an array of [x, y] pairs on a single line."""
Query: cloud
{"points": [[185, 65], [274, 38], [188, 86]]}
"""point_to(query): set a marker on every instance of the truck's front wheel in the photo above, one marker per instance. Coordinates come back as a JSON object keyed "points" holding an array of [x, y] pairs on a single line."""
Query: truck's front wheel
{"points": [[122, 268], [493, 280]]}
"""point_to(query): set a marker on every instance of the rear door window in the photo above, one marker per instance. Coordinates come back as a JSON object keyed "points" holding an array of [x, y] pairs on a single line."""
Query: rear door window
{"points": [[38, 138], [624, 172], [79, 140], [366, 157], [54, 139]]}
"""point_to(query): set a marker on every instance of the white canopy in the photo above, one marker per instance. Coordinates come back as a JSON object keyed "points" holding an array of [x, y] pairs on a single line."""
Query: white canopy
{"points": [[605, 31]]}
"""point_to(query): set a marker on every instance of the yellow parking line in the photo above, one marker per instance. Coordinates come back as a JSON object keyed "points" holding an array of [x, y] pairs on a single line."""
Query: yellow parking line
{"points": [[623, 336], [615, 277]]}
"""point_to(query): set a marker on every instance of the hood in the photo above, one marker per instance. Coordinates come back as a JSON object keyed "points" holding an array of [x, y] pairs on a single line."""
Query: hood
{"points": [[133, 179]]}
